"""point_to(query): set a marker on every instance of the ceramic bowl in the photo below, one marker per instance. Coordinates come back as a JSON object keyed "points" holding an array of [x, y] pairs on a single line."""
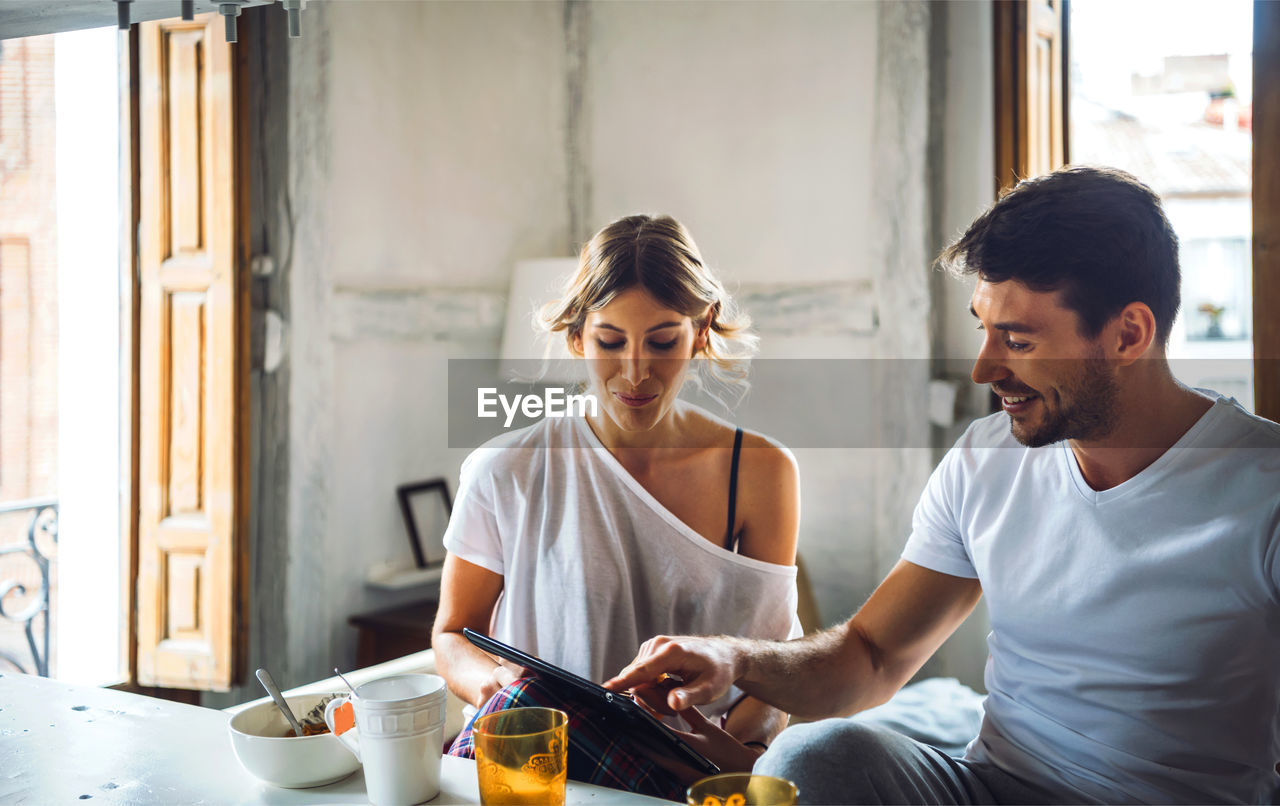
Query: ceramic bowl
{"points": [[259, 740]]}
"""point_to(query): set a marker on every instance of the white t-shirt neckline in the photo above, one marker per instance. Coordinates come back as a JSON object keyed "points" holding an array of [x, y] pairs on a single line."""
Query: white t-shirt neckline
{"points": [[685, 530], [1152, 473]]}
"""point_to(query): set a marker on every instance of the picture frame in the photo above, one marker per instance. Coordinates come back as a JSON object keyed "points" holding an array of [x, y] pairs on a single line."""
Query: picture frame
{"points": [[425, 507]]}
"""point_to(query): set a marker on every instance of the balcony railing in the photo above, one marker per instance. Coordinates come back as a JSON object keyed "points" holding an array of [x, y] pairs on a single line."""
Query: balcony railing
{"points": [[43, 522]]}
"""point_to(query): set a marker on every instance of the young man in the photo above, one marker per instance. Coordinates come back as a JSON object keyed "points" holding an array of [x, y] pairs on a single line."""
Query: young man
{"points": [[1123, 527]]}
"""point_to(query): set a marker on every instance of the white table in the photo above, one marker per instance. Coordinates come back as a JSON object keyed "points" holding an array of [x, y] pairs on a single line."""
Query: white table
{"points": [[80, 744]]}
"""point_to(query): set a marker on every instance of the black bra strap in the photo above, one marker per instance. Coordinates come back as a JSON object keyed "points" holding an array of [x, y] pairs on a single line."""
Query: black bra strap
{"points": [[731, 540]]}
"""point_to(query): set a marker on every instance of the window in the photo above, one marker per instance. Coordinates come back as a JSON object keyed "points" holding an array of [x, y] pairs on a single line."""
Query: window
{"points": [[1216, 195], [1174, 107]]}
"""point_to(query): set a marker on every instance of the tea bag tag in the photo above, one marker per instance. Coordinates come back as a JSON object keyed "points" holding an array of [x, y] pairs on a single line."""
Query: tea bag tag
{"points": [[344, 718]]}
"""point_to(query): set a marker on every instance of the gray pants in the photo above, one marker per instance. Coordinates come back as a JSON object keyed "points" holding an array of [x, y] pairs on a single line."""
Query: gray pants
{"points": [[839, 761]]}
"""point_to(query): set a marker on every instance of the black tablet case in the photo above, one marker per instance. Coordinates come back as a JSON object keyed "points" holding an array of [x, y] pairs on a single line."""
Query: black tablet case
{"points": [[617, 711]]}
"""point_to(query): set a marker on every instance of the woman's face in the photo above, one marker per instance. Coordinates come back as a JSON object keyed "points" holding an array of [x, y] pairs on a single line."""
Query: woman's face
{"points": [[637, 353]]}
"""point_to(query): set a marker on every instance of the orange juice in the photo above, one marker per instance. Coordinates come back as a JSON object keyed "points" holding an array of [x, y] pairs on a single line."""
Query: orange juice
{"points": [[521, 756], [505, 786], [741, 789]]}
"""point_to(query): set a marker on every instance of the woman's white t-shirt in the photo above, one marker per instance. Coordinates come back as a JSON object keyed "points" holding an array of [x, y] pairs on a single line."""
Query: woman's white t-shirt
{"points": [[593, 565]]}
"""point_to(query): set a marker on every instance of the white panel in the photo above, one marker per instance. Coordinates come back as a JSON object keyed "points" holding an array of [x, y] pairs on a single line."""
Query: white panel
{"points": [[89, 486]]}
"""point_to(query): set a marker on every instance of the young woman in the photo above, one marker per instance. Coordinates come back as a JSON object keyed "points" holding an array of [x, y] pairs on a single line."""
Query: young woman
{"points": [[577, 539]]}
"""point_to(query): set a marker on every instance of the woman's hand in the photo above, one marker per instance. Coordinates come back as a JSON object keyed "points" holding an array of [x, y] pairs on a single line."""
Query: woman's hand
{"points": [[717, 745], [468, 594], [503, 675]]}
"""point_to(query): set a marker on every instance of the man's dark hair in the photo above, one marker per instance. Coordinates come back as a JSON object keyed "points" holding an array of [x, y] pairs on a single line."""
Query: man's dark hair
{"points": [[1097, 235]]}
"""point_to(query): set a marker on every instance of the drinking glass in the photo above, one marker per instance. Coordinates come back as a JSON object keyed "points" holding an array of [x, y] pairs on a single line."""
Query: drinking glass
{"points": [[742, 789], [521, 756]]}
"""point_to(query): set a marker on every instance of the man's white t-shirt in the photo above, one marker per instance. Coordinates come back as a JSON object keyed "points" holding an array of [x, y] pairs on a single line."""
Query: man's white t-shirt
{"points": [[1135, 631], [593, 565]]}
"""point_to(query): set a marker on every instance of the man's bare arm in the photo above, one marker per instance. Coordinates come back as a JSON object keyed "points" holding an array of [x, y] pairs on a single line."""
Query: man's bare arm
{"points": [[839, 671]]}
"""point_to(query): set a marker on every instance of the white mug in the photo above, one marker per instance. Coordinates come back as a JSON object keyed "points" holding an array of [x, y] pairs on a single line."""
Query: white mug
{"points": [[395, 726]]}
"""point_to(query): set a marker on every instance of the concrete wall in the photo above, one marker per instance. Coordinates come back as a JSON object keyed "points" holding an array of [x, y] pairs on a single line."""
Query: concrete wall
{"points": [[427, 157], [967, 187], [750, 122], [431, 145]]}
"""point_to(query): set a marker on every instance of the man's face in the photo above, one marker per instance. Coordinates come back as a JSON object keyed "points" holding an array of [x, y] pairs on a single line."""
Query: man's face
{"points": [[1052, 382]]}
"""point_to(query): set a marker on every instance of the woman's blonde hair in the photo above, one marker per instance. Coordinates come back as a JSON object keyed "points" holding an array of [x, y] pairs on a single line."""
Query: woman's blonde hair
{"points": [[658, 255]]}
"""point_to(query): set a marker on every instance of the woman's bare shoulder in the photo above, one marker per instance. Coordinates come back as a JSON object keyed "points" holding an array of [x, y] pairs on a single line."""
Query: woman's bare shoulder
{"points": [[765, 460], [715, 431], [769, 492]]}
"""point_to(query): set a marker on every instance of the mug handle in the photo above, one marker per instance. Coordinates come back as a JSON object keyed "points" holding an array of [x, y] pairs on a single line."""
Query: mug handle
{"points": [[340, 716]]}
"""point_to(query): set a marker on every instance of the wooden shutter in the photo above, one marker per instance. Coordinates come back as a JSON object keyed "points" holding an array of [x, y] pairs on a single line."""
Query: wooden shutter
{"points": [[190, 359], [1030, 101]]}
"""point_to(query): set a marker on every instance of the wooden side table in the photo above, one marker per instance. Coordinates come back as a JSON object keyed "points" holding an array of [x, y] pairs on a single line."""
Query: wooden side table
{"points": [[394, 631]]}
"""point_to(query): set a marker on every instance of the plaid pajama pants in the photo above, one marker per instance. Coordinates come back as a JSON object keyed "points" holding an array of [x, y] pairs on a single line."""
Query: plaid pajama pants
{"points": [[595, 756]]}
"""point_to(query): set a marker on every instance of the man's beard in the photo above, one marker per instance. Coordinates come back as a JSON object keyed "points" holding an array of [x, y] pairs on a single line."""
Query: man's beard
{"points": [[1087, 409]]}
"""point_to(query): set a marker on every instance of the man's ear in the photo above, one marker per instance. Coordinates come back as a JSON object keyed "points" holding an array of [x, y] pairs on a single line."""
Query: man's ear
{"points": [[1135, 332]]}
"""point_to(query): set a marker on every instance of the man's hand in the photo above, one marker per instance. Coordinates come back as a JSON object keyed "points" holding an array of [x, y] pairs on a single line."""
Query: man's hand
{"points": [[707, 667]]}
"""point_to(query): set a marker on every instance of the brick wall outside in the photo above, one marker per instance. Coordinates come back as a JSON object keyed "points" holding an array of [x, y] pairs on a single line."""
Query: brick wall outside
{"points": [[28, 304]]}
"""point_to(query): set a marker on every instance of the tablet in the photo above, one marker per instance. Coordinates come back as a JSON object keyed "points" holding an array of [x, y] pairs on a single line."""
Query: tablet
{"points": [[619, 711]]}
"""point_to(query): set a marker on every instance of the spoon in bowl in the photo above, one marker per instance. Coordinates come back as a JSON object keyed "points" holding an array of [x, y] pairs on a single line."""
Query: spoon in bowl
{"points": [[264, 677]]}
